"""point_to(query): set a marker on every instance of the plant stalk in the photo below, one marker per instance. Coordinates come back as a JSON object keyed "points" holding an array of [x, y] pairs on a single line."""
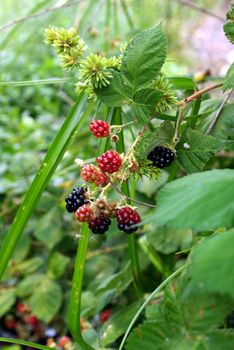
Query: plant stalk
{"points": [[132, 243], [75, 299]]}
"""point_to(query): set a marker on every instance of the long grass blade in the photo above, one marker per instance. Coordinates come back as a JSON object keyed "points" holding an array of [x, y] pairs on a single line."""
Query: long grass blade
{"points": [[73, 123], [24, 342]]}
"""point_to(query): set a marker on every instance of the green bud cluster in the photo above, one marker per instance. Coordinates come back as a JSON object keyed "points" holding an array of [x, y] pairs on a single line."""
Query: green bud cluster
{"points": [[168, 96]]}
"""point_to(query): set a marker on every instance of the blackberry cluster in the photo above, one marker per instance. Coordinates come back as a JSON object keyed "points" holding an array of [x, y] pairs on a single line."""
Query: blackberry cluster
{"points": [[127, 218], [75, 199], [161, 157], [100, 224]]}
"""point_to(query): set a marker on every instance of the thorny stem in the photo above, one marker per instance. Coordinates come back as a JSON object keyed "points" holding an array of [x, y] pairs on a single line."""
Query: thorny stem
{"points": [[198, 94]]}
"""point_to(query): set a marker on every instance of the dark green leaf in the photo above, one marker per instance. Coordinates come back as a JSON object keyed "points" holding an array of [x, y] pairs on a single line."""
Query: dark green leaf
{"points": [[57, 264], [195, 149], [28, 284], [181, 83], [117, 93], [144, 104], [144, 57], [229, 31]]}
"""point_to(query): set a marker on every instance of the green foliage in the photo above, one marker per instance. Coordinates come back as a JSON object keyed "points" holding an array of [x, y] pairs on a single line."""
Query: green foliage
{"points": [[46, 300], [197, 201], [195, 149], [7, 299], [229, 79]]}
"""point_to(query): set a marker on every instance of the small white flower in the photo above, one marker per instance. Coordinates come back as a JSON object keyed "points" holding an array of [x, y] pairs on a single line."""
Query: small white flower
{"points": [[79, 162]]}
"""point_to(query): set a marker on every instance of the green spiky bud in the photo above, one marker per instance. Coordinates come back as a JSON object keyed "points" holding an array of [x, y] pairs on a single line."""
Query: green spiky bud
{"points": [[94, 70], [168, 97], [72, 58]]}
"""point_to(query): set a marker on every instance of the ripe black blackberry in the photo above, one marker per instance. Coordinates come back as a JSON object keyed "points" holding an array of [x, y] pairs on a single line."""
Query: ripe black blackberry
{"points": [[75, 199], [100, 224], [161, 157], [127, 218]]}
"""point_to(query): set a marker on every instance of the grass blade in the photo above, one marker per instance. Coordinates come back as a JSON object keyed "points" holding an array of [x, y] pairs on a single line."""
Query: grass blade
{"points": [[24, 342], [73, 122]]}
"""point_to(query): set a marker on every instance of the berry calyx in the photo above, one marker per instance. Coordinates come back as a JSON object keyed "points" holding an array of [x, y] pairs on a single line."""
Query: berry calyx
{"points": [[161, 157], [100, 224], [109, 162], [100, 128], [105, 315], [127, 218], [75, 199], [84, 213]]}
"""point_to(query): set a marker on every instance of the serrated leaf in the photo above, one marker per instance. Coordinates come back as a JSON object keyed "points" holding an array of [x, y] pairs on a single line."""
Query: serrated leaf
{"points": [[117, 93], [46, 300], [194, 149], [7, 300], [229, 79], [28, 284], [198, 201], [212, 264], [144, 57], [230, 13], [144, 104], [229, 31], [118, 323]]}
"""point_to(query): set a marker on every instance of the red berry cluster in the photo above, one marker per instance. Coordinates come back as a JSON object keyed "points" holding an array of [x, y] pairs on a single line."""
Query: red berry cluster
{"points": [[100, 128]]}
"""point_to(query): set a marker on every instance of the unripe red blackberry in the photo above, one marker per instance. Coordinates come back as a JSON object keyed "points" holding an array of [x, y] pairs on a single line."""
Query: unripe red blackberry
{"points": [[100, 128], [102, 180], [126, 218], [75, 199], [109, 162], [84, 213], [100, 224], [89, 173], [161, 157]]}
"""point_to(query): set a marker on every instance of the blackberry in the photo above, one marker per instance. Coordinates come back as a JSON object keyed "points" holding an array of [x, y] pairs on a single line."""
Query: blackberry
{"points": [[109, 162], [161, 157], [75, 199], [100, 224], [127, 218]]}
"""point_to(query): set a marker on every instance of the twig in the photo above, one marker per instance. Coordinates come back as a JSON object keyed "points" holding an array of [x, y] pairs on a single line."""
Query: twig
{"points": [[225, 154], [129, 198], [39, 14], [200, 9], [217, 115], [198, 94]]}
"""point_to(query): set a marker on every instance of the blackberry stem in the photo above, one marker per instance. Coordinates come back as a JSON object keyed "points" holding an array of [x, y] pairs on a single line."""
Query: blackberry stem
{"points": [[132, 244]]}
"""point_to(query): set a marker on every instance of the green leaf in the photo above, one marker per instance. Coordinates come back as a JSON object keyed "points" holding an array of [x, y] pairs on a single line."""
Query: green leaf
{"points": [[58, 264], [28, 285], [230, 13], [198, 201], [7, 300], [181, 83], [144, 57], [119, 281], [224, 127], [30, 265], [118, 323], [212, 264], [144, 104], [46, 300], [229, 79], [73, 122], [117, 93], [194, 149], [48, 229], [229, 31]]}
